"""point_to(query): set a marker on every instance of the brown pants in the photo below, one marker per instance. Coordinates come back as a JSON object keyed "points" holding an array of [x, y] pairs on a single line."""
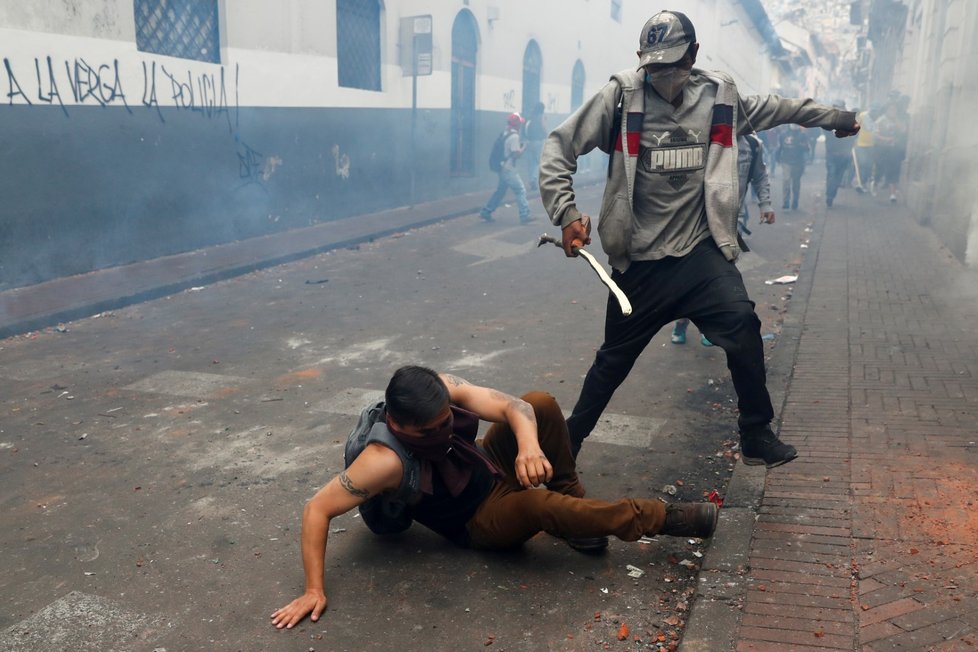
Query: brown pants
{"points": [[511, 515]]}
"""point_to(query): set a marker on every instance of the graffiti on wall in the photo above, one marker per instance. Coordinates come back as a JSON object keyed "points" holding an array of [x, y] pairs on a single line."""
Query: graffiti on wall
{"points": [[509, 99], [50, 82], [69, 82]]}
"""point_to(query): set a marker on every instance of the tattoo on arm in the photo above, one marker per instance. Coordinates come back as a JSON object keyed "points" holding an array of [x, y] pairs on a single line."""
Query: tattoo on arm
{"points": [[500, 396], [520, 405], [352, 488], [455, 381], [525, 409]]}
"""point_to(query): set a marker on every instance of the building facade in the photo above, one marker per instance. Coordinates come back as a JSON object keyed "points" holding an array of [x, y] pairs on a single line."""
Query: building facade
{"points": [[936, 65], [131, 129]]}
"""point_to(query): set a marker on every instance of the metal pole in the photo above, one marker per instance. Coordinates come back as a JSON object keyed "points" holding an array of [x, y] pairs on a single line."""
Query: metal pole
{"points": [[414, 110]]}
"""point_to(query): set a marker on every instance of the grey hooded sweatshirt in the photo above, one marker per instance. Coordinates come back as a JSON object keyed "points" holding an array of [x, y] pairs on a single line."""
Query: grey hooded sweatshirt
{"points": [[612, 122]]}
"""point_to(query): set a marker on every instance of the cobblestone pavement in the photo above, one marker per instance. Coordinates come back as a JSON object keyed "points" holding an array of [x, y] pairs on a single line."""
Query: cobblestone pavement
{"points": [[869, 541]]}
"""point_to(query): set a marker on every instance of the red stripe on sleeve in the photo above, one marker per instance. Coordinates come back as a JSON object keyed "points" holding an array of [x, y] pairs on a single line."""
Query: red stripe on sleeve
{"points": [[722, 135]]}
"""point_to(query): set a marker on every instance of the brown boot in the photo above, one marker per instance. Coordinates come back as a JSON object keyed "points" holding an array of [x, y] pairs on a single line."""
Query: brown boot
{"points": [[690, 520]]}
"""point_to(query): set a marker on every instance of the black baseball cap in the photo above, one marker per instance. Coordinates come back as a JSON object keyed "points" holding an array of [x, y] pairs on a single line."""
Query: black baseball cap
{"points": [[665, 38]]}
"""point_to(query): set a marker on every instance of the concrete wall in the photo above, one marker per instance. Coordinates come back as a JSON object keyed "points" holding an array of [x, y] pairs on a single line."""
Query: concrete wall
{"points": [[937, 70], [110, 155]]}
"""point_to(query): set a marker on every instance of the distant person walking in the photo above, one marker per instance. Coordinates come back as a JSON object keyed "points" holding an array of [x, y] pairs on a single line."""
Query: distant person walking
{"points": [[865, 158], [891, 147], [536, 132], [751, 169], [508, 150], [794, 150], [838, 160]]}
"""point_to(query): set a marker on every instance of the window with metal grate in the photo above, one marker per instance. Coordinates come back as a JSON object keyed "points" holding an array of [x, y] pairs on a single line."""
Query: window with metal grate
{"points": [[178, 28], [358, 43]]}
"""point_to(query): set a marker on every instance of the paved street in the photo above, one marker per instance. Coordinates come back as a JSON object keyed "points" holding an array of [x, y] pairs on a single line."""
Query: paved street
{"points": [[154, 459]]}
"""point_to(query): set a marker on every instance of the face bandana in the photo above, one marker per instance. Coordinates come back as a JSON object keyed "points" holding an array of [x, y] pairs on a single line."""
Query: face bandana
{"points": [[440, 448], [435, 443], [668, 82]]}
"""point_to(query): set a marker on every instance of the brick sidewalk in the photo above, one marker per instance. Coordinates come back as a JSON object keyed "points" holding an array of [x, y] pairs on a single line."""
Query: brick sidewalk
{"points": [[869, 540]]}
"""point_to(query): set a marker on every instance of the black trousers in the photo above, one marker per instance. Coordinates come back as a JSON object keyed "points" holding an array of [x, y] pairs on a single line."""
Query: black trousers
{"points": [[707, 289]]}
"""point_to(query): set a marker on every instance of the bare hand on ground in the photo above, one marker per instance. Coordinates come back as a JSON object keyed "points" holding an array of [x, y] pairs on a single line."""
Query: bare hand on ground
{"points": [[289, 615]]}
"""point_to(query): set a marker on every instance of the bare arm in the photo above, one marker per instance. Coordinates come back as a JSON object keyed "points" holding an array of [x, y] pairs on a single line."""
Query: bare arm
{"points": [[377, 469], [532, 466]]}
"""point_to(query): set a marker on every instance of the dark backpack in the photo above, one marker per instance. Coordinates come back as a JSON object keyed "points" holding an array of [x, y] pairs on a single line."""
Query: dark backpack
{"points": [[385, 513], [498, 152]]}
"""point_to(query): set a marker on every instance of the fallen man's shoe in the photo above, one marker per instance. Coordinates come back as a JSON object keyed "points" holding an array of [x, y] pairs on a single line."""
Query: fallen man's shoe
{"points": [[588, 544], [690, 520]]}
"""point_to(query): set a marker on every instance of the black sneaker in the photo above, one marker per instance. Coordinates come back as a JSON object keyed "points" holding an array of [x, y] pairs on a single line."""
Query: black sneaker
{"points": [[690, 520], [764, 447]]}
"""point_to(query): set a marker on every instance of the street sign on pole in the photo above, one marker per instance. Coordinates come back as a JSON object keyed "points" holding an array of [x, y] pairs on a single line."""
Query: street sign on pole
{"points": [[416, 60], [416, 46]]}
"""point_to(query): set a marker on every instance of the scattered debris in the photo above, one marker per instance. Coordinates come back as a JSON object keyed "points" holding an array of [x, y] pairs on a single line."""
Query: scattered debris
{"points": [[623, 632], [61, 328], [634, 571], [782, 280], [714, 497], [669, 489]]}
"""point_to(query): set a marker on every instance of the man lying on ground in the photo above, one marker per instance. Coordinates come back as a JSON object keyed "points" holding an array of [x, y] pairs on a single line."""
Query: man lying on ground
{"points": [[422, 458]]}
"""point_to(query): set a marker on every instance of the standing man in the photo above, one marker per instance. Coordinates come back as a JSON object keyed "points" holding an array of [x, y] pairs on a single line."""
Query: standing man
{"points": [[669, 215], [793, 154], [509, 176], [752, 169], [838, 159]]}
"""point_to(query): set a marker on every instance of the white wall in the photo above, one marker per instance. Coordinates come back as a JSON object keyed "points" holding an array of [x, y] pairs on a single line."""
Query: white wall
{"points": [[938, 72], [283, 53], [104, 19]]}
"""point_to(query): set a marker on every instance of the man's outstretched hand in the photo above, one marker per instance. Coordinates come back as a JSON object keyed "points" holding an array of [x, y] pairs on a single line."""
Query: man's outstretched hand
{"points": [[575, 235], [290, 615]]}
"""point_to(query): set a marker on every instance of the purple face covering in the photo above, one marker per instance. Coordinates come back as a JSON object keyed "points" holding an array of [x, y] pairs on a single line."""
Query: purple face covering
{"points": [[433, 445], [452, 455]]}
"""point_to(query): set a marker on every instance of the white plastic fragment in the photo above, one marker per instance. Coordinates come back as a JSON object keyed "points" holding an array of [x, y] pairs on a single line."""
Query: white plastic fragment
{"points": [[634, 571]]}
